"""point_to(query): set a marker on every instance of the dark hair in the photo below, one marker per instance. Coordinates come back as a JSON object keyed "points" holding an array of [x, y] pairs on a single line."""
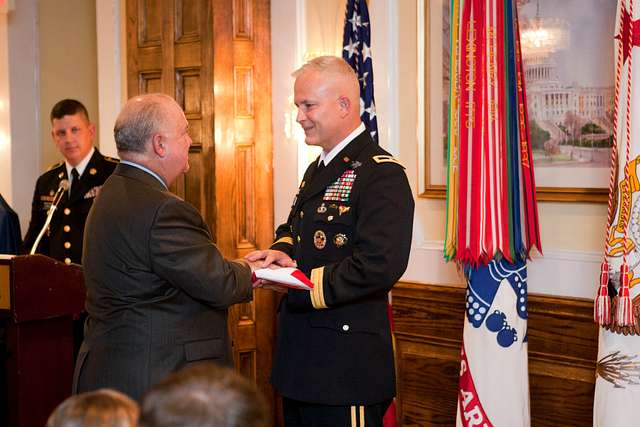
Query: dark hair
{"points": [[203, 395], [68, 107], [100, 408]]}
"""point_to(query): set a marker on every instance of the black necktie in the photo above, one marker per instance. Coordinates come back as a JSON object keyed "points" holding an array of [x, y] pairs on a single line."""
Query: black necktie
{"points": [[75, 184]]}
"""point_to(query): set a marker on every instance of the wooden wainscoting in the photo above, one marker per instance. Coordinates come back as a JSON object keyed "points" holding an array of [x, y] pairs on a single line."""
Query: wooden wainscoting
{"points": [[562, 354]]}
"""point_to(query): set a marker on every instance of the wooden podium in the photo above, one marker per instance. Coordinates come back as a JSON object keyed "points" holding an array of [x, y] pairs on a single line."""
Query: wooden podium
{"points": [[38, 299]]}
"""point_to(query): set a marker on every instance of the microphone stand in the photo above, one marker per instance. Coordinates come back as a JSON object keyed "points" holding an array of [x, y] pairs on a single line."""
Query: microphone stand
{"points": [[64, 184]]}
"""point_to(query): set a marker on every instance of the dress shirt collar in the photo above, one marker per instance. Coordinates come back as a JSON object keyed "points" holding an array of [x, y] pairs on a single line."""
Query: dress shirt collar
{"points": [[80, 167], [327, 157], [147, 170]]}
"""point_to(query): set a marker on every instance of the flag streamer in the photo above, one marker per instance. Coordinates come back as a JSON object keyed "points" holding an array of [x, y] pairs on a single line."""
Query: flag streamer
{"points": [[491, 201]]}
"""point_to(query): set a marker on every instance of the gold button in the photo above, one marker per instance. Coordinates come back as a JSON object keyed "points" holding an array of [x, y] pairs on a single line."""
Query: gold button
{"points": [[67, 211], [298, 239], [67, 229], [67, 261], [67, 245], [301, 214]]}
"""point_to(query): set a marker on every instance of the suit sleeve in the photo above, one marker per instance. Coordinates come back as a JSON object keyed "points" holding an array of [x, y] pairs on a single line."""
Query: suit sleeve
{"points": [[38, 217], [182, 253], [383, 228]]}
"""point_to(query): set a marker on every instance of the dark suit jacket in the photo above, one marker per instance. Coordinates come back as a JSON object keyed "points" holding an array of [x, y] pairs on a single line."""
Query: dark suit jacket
{"points": [[350, 231], [157, 287], [64, 239], [10, 240]]}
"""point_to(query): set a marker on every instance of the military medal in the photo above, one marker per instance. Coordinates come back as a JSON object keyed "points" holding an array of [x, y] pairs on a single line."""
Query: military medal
{"points": [[341, 189], [322, 208], [343, 209], [319, 239], [340, 240]]}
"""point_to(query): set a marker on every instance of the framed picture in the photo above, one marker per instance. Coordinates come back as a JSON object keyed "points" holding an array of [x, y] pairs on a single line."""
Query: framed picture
{"points": [[570, 94]]}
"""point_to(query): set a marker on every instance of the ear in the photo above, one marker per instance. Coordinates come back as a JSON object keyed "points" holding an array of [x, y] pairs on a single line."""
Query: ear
{"points": [[345, 106], [158, 146], [92, 130]]}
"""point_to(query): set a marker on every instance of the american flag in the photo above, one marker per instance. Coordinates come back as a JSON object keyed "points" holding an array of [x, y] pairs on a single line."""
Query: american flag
{"points": [[356, 43]]}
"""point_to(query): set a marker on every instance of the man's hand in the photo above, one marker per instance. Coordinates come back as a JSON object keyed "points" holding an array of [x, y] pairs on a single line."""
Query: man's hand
{"points": [[270, 258]]}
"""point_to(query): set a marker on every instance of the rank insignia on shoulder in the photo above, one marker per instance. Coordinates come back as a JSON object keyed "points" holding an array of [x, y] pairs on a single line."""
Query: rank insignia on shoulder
{"points": [[55, 165], [383, 158], [319, 239]]}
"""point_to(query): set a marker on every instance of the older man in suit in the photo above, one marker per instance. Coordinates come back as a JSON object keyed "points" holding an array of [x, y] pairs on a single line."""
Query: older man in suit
{"points": [[157, 287]]}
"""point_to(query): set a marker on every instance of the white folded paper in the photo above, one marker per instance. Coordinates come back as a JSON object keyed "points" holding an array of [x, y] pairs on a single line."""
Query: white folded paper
{"points": [[287, 276]]}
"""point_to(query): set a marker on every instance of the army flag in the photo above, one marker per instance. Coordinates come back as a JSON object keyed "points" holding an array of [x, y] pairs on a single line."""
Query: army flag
{"points": [[617, 303], [492, 218]]}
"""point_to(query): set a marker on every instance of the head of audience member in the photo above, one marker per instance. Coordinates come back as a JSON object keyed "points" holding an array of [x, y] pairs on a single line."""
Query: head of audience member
{"points": [[152, 130], [203, 395], [71, 130], [100, 408], [327, 95]]}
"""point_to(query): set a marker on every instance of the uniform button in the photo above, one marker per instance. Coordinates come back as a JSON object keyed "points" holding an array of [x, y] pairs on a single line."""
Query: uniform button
{"points": [[330, 218], [67, 261], [67, 245], [298, 239], [67, 229], [67, 211], [345, 328], [301, 214]]}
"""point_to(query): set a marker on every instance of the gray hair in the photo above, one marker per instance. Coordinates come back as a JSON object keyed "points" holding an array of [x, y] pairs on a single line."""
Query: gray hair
{"points": [[328, 64], [141, 117]]}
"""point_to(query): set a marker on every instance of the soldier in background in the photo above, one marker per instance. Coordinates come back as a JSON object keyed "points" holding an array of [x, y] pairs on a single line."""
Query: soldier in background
{"points": [[84, 168]]}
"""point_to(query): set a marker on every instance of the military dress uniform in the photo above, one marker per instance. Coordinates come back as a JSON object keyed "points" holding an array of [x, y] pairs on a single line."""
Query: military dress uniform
{"points": [[63, 241], [349, 230]]}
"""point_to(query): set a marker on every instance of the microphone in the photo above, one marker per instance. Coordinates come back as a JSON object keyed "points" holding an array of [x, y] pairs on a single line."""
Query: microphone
{"points": [[62, 187]]}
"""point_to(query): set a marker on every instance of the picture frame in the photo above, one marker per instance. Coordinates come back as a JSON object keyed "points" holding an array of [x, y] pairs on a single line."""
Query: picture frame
{"points": [[570, 112]]}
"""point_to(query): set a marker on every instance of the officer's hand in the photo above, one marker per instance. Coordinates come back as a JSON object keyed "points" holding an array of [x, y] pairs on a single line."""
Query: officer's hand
{"points": [[269, 257]]}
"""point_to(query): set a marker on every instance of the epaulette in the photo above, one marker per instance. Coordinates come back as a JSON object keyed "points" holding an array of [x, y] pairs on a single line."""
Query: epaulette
{"points": [[111, 159], [384, 158], [55, 165]]}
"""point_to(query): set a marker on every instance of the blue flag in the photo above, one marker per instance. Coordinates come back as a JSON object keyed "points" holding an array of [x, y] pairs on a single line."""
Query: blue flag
{"points": [[356, 42]]}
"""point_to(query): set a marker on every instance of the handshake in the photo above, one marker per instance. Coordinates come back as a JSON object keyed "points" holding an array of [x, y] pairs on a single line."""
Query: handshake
{"points": [[275, 270]]}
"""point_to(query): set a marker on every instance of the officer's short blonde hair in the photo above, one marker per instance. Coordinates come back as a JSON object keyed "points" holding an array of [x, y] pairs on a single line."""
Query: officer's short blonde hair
{"points": [[330, 65]]}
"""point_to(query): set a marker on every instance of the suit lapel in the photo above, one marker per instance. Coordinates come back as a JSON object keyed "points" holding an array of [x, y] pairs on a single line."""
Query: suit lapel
{"points": [[319, 182]]}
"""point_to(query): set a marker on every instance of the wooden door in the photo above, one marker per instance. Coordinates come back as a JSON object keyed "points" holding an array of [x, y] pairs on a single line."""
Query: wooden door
{"points": [[213, 56]]}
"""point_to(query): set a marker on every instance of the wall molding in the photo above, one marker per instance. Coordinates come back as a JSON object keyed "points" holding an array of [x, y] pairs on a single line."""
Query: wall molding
{"points": [[564, 273]]}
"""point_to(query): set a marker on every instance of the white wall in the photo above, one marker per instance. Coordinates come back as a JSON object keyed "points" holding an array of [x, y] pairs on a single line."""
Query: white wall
{"points": [[22, 107]]}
